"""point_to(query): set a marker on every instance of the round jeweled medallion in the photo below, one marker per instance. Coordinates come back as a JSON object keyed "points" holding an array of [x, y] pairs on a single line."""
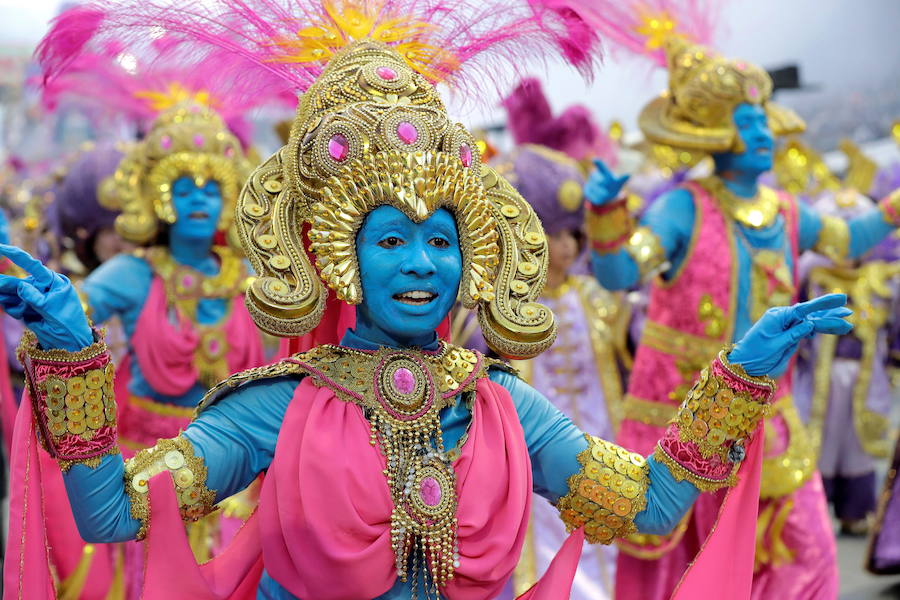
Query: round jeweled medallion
{"points": [[432, 493], [404, 386]]}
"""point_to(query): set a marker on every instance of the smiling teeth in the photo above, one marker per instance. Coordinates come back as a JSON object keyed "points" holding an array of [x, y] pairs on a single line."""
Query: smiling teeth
{"points": [[416, 295]]}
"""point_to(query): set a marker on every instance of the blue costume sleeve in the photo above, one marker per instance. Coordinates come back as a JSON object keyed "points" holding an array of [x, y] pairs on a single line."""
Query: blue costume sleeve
{"points": [[554, 443], [235, 437], [866, 230], [671, 218], [118, 286]]}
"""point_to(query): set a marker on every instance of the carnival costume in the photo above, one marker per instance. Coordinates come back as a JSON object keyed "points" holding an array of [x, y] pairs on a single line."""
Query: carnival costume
{"points": [[845, 380], [407, 470], [724, 260]]}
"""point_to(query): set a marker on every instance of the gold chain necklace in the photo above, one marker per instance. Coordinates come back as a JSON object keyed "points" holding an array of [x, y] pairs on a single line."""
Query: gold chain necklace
{"points": [[756, 213]]}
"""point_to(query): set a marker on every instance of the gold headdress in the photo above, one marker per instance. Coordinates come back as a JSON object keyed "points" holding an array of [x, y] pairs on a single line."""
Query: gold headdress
{"points": [[696, 111], [372, 131], [186, 140]]}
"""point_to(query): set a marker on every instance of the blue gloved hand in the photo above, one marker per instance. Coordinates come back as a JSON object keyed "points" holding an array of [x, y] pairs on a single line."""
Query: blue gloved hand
{"points": [[602, 187], [767, 348], [46, 302]]}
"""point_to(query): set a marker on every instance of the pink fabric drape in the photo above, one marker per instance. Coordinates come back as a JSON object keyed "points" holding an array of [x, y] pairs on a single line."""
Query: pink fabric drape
{"points": [[165, 352], [7, 396]]}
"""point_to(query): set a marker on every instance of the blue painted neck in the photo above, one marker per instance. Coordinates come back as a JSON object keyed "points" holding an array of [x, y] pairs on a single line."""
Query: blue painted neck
{"points": [[742, 183], [366, 337], [194, 252]]}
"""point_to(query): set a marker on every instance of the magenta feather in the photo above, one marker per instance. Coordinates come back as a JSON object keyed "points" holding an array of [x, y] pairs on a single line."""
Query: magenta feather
{"points": [[488, 40]]}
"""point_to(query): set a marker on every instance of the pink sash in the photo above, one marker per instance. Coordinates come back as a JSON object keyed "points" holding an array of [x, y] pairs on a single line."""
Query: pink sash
{"points": [[323, 523]]}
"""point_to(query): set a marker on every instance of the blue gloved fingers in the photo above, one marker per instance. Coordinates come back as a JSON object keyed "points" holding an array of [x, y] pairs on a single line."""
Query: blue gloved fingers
{"points": [[41, 274], [798, 332], [804, 309], [33, 297], [601, 166], [840, 312], [832, 325]]}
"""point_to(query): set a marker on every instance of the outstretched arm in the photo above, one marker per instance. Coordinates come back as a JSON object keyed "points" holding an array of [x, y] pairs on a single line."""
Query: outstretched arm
{"points": [[613, 492], [839, 239], [625, 253]]}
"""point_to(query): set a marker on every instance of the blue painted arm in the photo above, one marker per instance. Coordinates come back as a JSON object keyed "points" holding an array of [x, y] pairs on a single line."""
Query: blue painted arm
{"points": [[554, 443], [866, 230], [118, 287], [671, 218], [236, 438]]}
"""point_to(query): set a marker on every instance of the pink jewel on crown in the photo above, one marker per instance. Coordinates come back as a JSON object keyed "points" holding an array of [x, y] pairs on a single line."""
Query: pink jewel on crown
{"points": [[430, 491], [404, 381], [198, 140], [753, 91], [465, 155], [386, 73], [338, 147], [166, 142], [407, 132]]}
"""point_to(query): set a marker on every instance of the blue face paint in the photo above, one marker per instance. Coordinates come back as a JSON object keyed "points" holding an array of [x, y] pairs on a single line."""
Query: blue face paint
{"points": [[197, 209], [410, 274], [753, 129]]}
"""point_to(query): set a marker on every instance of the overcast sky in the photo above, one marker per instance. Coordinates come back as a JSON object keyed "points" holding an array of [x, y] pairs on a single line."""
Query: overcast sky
{"points": [[840, 45]]}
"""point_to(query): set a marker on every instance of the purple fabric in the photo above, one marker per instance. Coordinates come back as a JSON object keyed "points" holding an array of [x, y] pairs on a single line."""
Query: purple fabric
{"points": [[853, 498], [884, 557], [539, 174]]}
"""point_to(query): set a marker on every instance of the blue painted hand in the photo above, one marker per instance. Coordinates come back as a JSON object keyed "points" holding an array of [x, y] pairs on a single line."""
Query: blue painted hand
{"points": [[602, 187], [410, 274], [769, 345], [46, 302]]}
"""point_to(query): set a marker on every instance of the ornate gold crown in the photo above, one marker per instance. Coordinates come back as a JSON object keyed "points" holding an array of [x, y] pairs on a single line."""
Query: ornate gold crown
{"points": [[369, 132], [186, 140], [704, 89]]}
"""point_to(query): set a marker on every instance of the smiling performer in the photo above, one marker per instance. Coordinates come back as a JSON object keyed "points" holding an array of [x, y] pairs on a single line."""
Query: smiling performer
{"points": [[397, 465], [726, 251]]}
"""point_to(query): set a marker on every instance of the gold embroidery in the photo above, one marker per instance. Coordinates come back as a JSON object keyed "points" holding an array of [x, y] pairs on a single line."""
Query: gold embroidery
{"points": [[788, 471], [647, 252], [713, 316], [834, 238], [607, 493], [188, 471], [607, 227], [757, 212], [648, 412]]}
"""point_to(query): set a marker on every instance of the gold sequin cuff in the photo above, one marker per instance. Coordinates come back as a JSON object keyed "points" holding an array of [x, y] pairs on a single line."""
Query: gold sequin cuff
{"points": [[647, 252], [72, 400], [834, 238], [607, 493], [705, 442], [188, 471], [890, 208], [608, 226]]}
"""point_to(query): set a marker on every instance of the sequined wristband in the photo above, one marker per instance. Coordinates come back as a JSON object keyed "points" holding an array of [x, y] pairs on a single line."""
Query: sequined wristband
{"points": [[607, 493], [647, 252], [188, 471], [72, 399], [705, 442], [608, 225], [890, 208]]}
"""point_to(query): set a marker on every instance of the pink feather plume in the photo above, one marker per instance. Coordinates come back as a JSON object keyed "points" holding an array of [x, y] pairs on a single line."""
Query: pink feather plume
{"points": [[482, 43], [641, 26], [574, 132]]}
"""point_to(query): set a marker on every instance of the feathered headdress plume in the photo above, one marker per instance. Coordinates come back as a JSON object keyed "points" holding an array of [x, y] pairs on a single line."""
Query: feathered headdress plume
{"points": [[643, 27], [465, 43], [86, 60]]}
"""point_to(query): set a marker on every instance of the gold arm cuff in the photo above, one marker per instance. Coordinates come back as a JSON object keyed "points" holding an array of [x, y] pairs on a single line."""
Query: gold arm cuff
{"points": [[705, 443], [613, 223], [647, 252], [607, 493], [834, 238], [188, 472]]}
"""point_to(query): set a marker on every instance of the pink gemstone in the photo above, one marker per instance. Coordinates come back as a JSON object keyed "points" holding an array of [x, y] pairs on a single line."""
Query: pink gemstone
{"points": [[187, 281], [338, 147], [404, 381], [165, 142], [741, 65], [407, 132], [386, 73], [229, 152], [214, 346], [753, 91], [430, 491], [465, 155], [198, 140]]}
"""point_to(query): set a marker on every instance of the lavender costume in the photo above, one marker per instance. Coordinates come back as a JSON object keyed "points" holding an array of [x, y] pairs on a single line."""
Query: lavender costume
{"points": [[842, 382]]}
